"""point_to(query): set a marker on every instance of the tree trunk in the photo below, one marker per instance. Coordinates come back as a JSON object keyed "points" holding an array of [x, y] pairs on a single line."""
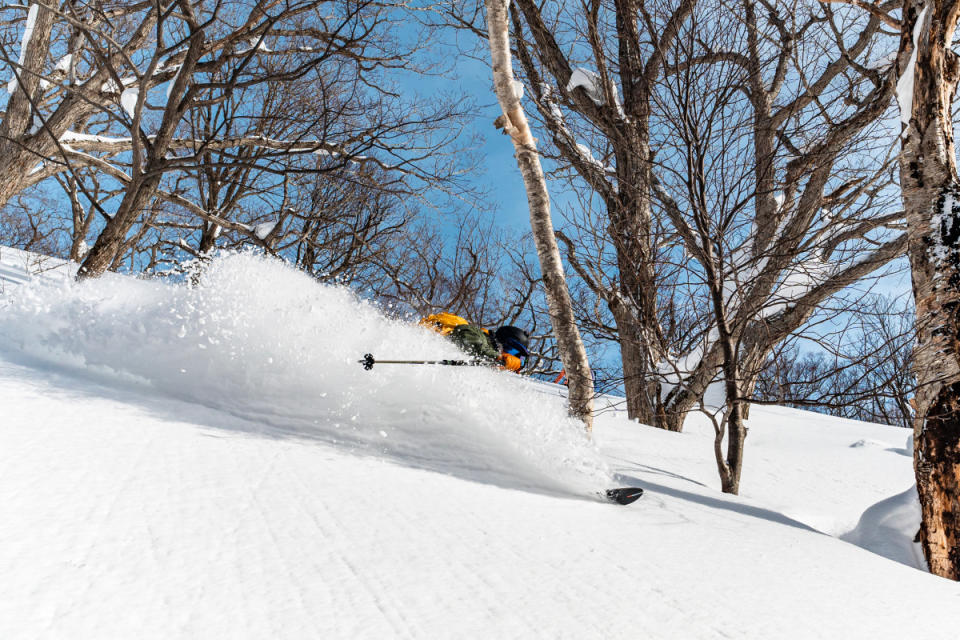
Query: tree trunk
{"points": [[640, 387], [146, 172], [931, 196], [108, 244], [17, 155], [572, 352], [638, 326], [731, 465]]}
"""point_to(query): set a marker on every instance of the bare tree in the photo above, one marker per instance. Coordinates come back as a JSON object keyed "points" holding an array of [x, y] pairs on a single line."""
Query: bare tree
{"points": [[255, 92], [775, 227], [427, 269], [929, 71], [514, 123], [578, 59], [861, 370], [26, 224]]}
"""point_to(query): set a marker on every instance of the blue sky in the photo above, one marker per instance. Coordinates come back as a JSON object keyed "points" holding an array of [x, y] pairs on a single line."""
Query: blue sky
{"points": [[499, 173]]}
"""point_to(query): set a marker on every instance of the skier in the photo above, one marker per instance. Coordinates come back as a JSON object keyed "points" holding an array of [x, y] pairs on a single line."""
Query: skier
{"points": [[507, 347]]}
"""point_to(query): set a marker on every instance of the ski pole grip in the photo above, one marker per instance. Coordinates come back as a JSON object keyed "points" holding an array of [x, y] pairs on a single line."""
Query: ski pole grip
{"points": [[367, 361]]}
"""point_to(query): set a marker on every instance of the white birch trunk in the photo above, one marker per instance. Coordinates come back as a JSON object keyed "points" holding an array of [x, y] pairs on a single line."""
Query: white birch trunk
{"points": [[514, 123]]}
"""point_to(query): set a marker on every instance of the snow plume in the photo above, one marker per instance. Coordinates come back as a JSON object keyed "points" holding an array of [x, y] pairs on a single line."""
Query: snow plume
{"points": [[266, 343]]}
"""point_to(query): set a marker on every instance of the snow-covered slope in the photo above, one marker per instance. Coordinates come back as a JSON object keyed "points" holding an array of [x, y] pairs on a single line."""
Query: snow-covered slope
{"points": [[212, 462]]}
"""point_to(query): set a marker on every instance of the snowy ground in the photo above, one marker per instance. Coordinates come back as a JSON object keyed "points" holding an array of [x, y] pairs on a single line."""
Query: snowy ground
{"points": [[213, 463]]}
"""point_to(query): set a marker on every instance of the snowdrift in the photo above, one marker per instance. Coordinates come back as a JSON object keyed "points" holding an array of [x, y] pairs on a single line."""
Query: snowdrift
{"points": [[268, 344]]}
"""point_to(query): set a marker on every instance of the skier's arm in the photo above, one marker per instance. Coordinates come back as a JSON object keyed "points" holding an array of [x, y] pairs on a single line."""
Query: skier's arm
{"points": [[510, 362]]}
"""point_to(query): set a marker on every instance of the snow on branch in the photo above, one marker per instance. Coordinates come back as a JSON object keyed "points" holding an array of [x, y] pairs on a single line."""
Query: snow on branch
{"points": [[592, 85], [89, 142], [549, 99], [586, 156], [778, 322], [797, 282], [592, 169], [27, 35], [264, 229], [674, 370], [905, 81], [107, 144], [589, 81]]}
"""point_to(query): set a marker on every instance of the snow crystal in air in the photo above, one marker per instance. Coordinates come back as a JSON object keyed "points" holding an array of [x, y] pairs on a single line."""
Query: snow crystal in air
{"points": [[274, 337]]}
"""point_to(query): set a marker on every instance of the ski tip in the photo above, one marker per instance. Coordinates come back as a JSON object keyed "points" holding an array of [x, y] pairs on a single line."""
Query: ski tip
{"points": [[625, 495]]}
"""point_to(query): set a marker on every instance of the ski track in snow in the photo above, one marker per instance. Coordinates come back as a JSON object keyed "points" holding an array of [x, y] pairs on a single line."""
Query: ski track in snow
{"points": [[139, 502]]}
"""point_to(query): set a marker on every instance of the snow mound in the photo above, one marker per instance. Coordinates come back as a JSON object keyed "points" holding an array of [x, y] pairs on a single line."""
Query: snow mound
{"points": [[264, 342], [888, 529], [869, 442]]}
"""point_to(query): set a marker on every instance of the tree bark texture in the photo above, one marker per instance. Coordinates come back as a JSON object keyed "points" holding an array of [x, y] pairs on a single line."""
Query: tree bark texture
{"points": [[26, 140], [638, 326], [107, 247], [641, 387], [631, 295], [514, 121], [931, 196], [17, 157], [146, 170]]}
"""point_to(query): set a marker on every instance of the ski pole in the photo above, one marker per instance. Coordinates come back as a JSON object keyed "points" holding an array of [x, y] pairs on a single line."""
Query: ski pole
{"points": [[368, 362]]}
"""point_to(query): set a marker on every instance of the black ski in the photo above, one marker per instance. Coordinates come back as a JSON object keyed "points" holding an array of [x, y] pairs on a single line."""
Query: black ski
{"points": [[625, 495]]}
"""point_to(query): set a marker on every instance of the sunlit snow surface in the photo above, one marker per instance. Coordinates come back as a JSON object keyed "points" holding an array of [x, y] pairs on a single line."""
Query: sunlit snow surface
{"points": [[211, 462]]}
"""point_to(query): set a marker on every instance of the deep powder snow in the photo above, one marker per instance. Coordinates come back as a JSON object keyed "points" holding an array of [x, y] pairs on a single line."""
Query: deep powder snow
{"points": [[263, 341]]}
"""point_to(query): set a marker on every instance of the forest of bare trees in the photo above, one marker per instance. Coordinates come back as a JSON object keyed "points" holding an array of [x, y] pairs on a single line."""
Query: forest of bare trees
{"points": [[721, 192]]}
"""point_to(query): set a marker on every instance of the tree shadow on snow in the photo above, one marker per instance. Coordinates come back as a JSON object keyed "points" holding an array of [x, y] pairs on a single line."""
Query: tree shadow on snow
{"points": [[722, 503], [658, 471]]}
